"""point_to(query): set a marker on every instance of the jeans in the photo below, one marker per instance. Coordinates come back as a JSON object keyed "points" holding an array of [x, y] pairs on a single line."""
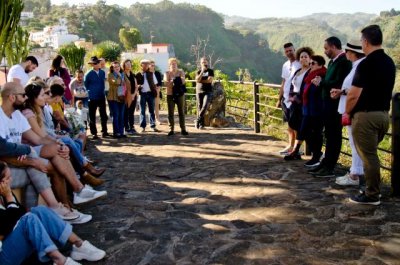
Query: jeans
{"points": [[74, 148], [129, 117], [181, 111], [203, 101], [93, 105], [148, 98], [369, 128], [118, 109], [35, 231]]}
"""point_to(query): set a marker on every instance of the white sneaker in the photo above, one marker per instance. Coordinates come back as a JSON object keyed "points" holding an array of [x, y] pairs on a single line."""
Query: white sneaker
{"points": [[346, 180], [87, 194], [70, 261], [65, 213], [87, 251], [82, 219]]}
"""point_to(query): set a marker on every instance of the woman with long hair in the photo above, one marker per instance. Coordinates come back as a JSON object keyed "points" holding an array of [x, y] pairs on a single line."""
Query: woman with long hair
{"points": [[131, 97], [57, 69], [116, 98]]}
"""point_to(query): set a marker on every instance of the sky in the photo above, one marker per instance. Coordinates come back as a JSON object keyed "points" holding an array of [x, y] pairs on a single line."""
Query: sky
{"points": [[272, 8]]}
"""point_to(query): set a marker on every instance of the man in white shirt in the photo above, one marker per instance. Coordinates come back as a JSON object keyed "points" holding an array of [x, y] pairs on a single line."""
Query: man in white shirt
{"points": [[19, 73], [288, 70], [14, 126]]}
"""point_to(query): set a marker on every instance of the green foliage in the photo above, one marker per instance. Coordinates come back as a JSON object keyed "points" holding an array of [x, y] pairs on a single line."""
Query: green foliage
{"points": [[10, 13], [18, 48], [109, 50], [73, 56], [37, 6], [130, 37]]}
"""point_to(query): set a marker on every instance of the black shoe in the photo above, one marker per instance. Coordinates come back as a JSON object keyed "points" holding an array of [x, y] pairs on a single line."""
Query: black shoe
{"points": [[324, 173], [95, 137], [364, 199], [184, 132], [171, 133], [106, 135], [292, 156], [312, 163], [315, 169]]}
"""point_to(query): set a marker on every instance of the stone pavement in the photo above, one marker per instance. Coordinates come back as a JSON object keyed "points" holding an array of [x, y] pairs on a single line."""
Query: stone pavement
{"points": [[224, 196]]}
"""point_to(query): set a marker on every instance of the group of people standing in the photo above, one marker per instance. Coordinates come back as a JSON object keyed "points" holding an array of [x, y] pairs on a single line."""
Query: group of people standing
{"points": [[353, 91]]}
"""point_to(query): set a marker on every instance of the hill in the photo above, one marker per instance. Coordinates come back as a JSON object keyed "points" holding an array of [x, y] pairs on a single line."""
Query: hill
{"points": [[305, 31]]}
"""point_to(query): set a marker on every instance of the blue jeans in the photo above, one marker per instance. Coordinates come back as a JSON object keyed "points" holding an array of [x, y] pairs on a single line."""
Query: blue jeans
{"points": [[35, 231], [149, 99], [118, 109], [75, 148]]}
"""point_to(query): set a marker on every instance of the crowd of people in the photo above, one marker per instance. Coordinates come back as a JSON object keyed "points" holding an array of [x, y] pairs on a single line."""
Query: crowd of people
{"points": [[44, 122], [43, 142], [354, 91]]}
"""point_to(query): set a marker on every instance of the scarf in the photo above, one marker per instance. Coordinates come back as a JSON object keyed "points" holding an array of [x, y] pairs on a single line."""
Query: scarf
{"points": [[307, 82]]}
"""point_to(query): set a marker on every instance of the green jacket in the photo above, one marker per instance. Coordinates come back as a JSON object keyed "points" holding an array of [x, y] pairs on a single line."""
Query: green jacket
{"points": [[335, 75]]}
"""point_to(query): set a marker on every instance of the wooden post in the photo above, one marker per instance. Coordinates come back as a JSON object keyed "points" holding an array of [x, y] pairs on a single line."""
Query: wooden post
{"points": [[395, 178], [256, 91]]}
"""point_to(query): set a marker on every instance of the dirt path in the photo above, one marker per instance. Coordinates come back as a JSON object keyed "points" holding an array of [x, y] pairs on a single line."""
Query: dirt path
{"points": [[224, 196]]}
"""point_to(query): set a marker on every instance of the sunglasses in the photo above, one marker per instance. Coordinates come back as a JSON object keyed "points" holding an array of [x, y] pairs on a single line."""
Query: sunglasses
{"points": [[47, 93], [313, 63]]}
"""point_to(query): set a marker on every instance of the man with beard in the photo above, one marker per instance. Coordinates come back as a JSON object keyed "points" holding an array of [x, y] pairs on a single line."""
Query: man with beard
{"points": [[19, 73], [338, 68], [14, 127]]}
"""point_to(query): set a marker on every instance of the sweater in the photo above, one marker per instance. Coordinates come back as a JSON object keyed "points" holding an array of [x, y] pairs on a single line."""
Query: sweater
{"points": [[335, 75], [13, 149], [94, 83]]}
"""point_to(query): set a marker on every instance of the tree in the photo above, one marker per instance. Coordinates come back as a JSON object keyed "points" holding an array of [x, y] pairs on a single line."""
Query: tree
{"points": [[130, 37], [73, 56], [10, 13], [18, 48], [108, 50], [199, 50]]}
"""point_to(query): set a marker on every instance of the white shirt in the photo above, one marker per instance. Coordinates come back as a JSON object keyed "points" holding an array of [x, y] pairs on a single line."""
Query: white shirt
{"points": [[288, 70], [146, 86], [347, 85], [17, 71], [12, 128], [83, 113], [297, 81]]}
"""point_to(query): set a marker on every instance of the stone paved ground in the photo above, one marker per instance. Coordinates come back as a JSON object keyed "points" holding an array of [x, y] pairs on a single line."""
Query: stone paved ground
{"points": [[224, 196]]}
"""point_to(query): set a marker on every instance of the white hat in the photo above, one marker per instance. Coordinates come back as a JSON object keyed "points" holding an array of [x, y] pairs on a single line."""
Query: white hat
{"points": [[144, 61], [352, 47]]}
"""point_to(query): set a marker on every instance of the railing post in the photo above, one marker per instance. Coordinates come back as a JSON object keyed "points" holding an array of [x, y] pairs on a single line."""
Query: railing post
{"points": [[256, 97], [395, 178]]}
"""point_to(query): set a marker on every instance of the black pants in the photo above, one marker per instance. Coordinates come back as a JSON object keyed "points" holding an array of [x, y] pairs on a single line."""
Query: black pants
{"points": [[129, 117], [311, 132], [93, 105], [203, 101], [333, 133]]}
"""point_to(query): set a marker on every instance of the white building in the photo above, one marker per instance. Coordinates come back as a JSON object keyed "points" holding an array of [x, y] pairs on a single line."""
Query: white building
{"points": [[54, 36], [26, 15], [159, 52]]}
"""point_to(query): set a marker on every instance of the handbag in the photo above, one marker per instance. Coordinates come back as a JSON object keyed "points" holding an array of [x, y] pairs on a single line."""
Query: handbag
{"points": [[346, 120]]}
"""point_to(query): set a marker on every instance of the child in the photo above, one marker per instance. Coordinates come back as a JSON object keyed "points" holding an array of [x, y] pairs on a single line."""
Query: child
{"points": [[78, 88], [82, 111]]}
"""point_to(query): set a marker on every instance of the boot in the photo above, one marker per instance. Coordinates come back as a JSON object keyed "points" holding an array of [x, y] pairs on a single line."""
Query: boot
{"points": [[87, 178], [97, 172]]}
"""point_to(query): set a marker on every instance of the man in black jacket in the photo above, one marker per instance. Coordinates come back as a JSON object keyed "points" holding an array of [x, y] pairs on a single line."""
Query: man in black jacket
{"points": [[338, 68]]}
